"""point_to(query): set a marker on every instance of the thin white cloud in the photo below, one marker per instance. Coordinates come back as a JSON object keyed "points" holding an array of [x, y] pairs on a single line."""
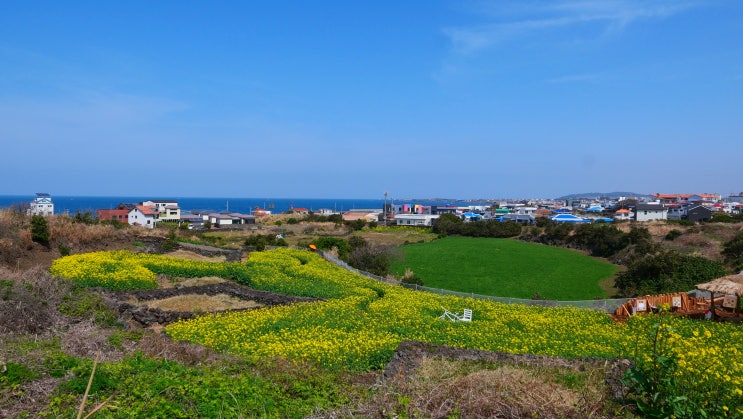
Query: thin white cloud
{"points": [[93, 109], [539, 17]]}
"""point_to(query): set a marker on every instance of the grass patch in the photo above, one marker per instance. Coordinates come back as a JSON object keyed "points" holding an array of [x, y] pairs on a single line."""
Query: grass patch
{"points": [[506, 268]]}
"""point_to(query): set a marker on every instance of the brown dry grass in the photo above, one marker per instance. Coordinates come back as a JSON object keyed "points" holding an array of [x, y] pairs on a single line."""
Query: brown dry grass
{"points": [[165, 282], [185, 254], [28, 303], [457, 388], [19, 252], [657, 229], [397, 238], [77, 235], [200, 303]]}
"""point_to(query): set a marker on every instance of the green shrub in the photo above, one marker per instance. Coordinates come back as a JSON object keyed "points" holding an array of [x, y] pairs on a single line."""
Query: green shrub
{"points": [[85, 217], [39, 230], [673, 235], [328, 243], [118, 337], [81, 373], [722, 217], [171, 241], [58, 363], [372, 259], [15, 374], [83, 304], [63, 250], [261, 241], [6, 289], [357, 224], [666, 272], [600, 239], [732, 250]]}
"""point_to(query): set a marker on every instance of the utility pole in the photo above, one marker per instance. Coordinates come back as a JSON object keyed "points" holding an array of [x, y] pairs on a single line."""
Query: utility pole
{"points": [[384, 209]]}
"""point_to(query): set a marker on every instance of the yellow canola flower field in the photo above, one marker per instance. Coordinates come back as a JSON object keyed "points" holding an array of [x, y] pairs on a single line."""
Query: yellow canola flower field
{"points": [[110, 270], [358, 322]]}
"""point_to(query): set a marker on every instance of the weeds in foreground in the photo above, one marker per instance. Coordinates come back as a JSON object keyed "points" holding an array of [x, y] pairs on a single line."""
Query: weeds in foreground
{"points": [[453, 388], [662, 386]]}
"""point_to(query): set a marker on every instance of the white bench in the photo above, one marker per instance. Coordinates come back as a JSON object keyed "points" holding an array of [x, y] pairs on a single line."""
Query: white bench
{"points": [[466, 316]]}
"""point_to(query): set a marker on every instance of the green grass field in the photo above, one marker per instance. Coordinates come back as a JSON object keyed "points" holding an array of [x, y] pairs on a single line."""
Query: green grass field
{"points": [[505, 268]]}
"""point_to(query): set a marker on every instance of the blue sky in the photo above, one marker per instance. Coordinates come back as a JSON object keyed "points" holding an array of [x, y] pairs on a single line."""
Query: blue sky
{"points": [[349, 99]]}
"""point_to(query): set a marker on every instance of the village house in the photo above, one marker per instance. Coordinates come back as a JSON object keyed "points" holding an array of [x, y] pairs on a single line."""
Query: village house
{"points": [[624, 214], [418, 220], [143, 216], [543, 212], [519, 218], [677, 211], [41, 205], [222, 219], [192, 221], [219, 220], [670, 198], [367, 215], [680, 197], [736, 198], [165, 210], [120, 215], [650, 212], [698, 213], [411, 209], [260, 212], [443, 209]]}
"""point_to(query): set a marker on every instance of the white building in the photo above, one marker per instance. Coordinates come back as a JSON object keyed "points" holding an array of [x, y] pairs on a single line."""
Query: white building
{"points": [[624, 214], [41, 205], [677, 212], [218, 219], [418, 220], [650, 212], [142, 216], [165, 210]]}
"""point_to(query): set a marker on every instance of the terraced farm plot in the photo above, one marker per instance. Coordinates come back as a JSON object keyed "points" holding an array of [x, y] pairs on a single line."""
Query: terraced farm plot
{"points": [[505, 268]]}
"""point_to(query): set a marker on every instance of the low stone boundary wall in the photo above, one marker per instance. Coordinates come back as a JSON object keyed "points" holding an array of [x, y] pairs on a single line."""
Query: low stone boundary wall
{"points": [[148, 316], [231, 255]]}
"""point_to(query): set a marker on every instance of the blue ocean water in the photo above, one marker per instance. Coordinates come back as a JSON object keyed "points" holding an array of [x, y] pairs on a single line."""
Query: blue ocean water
{"points": [[74, 204]]}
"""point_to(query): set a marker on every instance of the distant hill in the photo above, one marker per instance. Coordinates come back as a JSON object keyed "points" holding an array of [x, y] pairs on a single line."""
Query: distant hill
{"points": [[604, 195]]}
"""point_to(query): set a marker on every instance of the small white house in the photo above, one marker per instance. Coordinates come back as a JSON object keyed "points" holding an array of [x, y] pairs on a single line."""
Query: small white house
{"points": [[41, 205], [650, 212], [143, 216], [677, 212], [217, 219], [624, 214], [418, 220], [527, 211]]}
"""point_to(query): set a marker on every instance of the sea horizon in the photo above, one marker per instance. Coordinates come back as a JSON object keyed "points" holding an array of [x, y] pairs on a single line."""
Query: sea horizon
{"points": [[72, 204]]}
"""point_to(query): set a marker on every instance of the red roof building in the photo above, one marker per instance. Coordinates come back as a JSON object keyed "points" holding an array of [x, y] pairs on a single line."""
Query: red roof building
{"points": [[120, 215]]}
